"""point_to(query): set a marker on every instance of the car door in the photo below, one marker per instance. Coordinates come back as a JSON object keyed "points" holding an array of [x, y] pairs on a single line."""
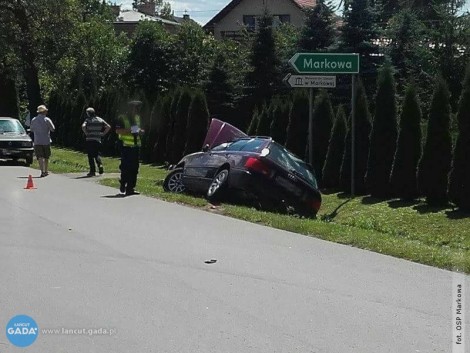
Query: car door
{"points": [[200, 169]]}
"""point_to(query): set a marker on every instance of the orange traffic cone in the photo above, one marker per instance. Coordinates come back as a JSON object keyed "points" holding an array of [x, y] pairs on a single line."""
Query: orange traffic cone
{"points": [[30, 183]]}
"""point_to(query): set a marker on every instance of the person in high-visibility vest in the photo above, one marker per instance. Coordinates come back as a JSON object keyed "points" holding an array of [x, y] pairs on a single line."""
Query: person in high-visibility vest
{"points": [[129, 132]]}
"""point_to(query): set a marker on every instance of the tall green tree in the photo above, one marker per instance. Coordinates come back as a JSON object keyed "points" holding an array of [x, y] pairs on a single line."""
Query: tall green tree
{"points": [[198, 122], [318, 31], [362, 133], [409, 48], [175, 97], [254, 123], [334, 156], [180, 126], [383, 136], [193, 52], [280, 120], [8, 95], [448, 31], [163, 129], [297, 129], [220, 89], [403, 182], [323, 116], [357, 35], [150, 62], [264, 77], [434, 166], [459, 179], [264, 121]]}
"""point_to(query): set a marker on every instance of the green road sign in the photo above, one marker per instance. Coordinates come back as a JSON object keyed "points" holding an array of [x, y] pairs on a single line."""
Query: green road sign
{"points": [[325, 63]]}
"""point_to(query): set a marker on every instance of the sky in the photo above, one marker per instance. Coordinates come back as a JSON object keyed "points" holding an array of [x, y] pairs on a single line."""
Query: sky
{"points": [[202, 11]]}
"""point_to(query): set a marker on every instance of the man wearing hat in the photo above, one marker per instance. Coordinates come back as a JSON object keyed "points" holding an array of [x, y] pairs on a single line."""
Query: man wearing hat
{"points": [[94, 128], [42, 126], [129, 132]]}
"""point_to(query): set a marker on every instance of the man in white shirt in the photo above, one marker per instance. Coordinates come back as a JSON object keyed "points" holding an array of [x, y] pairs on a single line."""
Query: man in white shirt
{"points": [[42, 127]]}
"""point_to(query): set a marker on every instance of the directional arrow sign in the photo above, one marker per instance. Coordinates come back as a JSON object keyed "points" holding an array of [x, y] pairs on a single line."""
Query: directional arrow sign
{"points": [[325, 63], [310, 81]]}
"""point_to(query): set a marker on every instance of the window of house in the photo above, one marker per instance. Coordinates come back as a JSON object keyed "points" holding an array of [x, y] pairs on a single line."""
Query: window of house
{"points": [[280, 19], [250, 22]]}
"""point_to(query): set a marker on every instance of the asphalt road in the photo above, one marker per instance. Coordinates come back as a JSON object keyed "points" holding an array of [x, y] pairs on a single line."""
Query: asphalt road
{"points": [[72, 256]]}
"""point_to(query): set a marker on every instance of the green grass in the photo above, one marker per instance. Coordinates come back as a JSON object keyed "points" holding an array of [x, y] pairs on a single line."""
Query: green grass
{"points": [[413, 231]]}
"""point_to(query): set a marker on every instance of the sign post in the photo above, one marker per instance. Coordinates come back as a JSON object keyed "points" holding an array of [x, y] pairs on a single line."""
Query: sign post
{"points": [[309, 81], [353, 135], [326, 63]]}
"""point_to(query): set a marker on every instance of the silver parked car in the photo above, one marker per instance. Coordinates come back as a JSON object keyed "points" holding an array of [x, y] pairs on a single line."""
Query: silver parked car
{"points": [[15, 143]]}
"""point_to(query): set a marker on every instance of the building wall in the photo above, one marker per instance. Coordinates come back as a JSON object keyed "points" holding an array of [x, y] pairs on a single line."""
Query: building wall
{"points": [[233, 21]]}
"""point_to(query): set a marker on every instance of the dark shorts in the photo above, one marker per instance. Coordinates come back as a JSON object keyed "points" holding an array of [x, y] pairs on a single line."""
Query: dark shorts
{"points": [[42, 151]]}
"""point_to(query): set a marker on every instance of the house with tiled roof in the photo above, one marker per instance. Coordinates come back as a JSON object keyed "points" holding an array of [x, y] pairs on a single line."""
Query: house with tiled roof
{"points": [[126, 20], [243, 14]]}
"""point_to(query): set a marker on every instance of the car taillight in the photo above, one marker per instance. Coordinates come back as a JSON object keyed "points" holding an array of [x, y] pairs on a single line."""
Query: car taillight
{"points": [[316, 204], [257, 165]]}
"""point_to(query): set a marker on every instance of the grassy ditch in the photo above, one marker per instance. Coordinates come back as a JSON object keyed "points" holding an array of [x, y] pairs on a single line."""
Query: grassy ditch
{"points": [[434, 236]]}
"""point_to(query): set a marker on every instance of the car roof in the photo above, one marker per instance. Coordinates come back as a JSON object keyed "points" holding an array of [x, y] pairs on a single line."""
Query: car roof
{"points": [[7, 118]]}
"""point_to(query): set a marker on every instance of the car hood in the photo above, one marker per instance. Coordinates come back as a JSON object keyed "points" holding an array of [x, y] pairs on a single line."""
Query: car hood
{"points": [[14, 137], [220, 132]]}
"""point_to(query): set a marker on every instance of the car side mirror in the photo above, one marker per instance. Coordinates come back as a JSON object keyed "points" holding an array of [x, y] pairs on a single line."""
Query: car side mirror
{"points": [[206, 148]]}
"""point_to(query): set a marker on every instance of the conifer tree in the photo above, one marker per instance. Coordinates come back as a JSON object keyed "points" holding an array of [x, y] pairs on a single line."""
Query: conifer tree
{"points": [[383, 137], [198, 122], [434, 165], [254, 123], [280, 119], [362, 132], [334, 156], [264, 122], [297, 128], [265, 75], [403, 183], [459, 183], [318, 32], [176, 94], [322, 123], [163, 129], [179, 128]]}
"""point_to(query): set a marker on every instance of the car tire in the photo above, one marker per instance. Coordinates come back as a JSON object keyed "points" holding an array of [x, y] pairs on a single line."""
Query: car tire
{"points": [[174, 181], [218, 186], [29, 161]]}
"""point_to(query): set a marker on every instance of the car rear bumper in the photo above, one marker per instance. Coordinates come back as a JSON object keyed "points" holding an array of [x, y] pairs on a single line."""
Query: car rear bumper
{"points": [[270, 189]]}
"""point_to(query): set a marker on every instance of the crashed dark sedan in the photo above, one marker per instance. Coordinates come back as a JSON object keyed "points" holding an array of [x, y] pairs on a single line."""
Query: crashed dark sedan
{"points": [[256, 166], [15, 143]]}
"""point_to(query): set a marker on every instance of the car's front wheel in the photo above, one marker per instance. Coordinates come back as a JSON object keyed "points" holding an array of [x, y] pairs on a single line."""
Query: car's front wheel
{"points": [[218, 186], [174, 181]]}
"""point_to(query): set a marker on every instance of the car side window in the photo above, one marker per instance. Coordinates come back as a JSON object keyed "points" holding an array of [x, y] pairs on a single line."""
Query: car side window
{"points": [[221, 147]]}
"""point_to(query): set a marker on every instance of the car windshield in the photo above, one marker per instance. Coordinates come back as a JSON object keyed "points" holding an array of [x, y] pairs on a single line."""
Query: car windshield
{"points": [[11, 126], [283, 157]]}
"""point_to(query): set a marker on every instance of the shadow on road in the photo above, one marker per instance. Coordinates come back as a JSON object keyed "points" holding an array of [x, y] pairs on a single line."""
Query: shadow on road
{"points": [[84, 177], [116, 196]]}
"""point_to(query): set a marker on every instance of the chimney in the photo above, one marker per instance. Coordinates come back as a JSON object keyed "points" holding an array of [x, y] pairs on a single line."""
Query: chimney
{"points": [[116, 10], [147, 8]]}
